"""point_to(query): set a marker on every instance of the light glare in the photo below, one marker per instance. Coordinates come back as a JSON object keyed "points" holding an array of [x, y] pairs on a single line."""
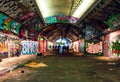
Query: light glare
{"points": [[42, 4], [83, 7]]}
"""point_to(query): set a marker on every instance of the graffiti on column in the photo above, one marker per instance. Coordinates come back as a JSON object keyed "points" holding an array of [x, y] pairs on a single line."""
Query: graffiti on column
{"points": [[106, 45], [82, 45]]}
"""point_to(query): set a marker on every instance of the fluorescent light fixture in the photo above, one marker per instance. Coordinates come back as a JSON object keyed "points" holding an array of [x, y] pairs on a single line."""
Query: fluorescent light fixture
{"points": [[43, 6], [47, 9], [83, 7]]}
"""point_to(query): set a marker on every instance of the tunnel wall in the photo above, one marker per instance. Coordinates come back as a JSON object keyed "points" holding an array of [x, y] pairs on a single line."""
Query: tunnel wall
{"points": [[112, 37]]}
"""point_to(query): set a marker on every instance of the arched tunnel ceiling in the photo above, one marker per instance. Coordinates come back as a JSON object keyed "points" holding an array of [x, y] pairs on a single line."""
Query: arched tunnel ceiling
{"points": [[32, 18], [61, 30]]}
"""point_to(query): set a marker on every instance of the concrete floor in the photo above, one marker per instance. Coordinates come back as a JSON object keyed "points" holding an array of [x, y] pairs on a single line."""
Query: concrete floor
{"points": [[68, 69]]}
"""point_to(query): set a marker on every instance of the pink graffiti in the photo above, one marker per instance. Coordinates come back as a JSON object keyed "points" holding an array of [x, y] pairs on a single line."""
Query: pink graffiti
{"points": [[27, 16]]}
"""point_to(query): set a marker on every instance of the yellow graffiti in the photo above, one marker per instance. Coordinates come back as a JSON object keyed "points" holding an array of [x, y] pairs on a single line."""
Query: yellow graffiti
{"points": [[3, 47], [7, 22]]}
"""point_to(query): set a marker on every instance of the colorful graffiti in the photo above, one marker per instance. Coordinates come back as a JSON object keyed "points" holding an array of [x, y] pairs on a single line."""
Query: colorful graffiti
{"points": [[29, 47], [2, 19], [114, 44], [28, 19], [41, 46], [8, 43], [6, 23], [27, 16], [89, 32], [3, 47], [61, 19], [94, 48]]}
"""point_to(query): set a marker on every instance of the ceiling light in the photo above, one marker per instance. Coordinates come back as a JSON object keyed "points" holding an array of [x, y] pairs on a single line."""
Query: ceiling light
{"points": [[42, 4], [83, 7], [47, 8]]}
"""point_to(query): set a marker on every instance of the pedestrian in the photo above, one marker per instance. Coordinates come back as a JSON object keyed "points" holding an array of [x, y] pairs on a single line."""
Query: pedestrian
{"points": [[0, 59], [17, 52]]}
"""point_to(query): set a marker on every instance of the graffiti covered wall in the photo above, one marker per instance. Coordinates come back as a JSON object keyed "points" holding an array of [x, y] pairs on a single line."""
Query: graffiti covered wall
{"points": [[112, 37], [7, 45], [29, 47], [94, 48], [3, 47], [6, 23]]}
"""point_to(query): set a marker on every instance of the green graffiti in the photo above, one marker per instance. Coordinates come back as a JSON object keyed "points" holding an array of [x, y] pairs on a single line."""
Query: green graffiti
{"points": [[2, 19], [7, 24], [51, 19], [111, 20]]}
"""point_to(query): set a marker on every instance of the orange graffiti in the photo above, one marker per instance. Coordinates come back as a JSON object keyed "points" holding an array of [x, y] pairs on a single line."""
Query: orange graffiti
{"points": [[3, 47]]}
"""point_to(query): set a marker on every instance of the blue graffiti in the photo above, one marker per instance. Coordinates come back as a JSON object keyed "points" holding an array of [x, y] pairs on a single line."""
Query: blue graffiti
{"points": [[29, 48], [2, 19]]}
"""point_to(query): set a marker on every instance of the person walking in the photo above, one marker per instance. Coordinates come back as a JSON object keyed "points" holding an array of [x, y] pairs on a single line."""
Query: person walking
{"points": [[17, 52]]}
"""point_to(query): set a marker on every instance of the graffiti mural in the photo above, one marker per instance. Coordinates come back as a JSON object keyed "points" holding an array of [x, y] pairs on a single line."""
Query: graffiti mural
{"points": [[28, 19], [27, 16], [8, 43], [10, 7], [2, 19], [89, 32], [61, 19], [29, 47], [6, 23], [94, 48], [114, 44], [14, 27], [3, 47]]}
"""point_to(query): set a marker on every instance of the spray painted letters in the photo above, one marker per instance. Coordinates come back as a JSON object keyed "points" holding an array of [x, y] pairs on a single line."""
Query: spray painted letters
{"points": [[29, 47]]}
